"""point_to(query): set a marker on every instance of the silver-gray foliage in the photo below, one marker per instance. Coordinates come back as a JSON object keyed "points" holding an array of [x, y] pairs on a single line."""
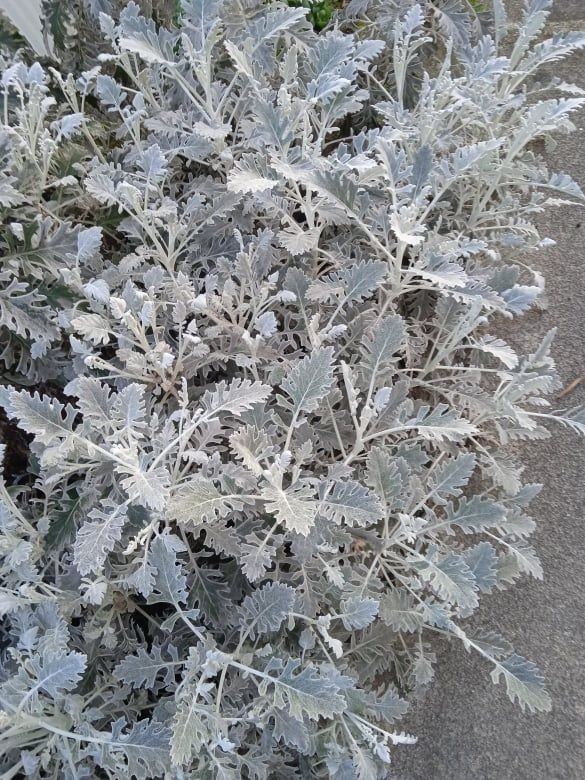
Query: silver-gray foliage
{"points": [[249, 277]]}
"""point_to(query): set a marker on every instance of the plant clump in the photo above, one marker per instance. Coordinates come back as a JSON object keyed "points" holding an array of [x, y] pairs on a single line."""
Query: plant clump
{"points": [[251, 276]]}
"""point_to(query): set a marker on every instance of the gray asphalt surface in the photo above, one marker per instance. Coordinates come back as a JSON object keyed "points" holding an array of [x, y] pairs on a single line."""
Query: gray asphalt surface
{"points": [[466, 726]]}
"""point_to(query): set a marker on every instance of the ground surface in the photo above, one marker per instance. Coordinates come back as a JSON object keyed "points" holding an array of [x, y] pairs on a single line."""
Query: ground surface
{"points": [[467, 728]]}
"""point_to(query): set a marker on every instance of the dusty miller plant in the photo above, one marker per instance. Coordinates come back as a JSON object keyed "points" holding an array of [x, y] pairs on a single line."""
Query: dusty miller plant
{"points": [[249, 279]]}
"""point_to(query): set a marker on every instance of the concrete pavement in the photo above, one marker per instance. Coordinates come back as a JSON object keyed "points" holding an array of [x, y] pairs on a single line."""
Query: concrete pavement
{"points": [[467, 728]]}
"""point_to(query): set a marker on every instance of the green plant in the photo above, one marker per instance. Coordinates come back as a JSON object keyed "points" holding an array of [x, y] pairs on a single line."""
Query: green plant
{"points": [[320, 11]]}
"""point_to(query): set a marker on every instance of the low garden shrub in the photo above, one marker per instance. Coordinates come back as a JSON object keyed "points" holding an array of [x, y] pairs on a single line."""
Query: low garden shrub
{"points": [[257, 416]]}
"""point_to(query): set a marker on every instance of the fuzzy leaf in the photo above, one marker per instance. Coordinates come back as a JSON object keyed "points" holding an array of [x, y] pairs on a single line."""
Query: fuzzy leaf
{"points": [[236, 397], [524, 683], [482, 562], [97, 537], [296, 507], [380, 349], [312, 692], [399, 611], [170, 584], [57, 673], [142, 752], [266, 608], [451, 578], [384, 475], [441, 424], [142, 669], [309, 381], [197, 501], [190, 731], [526, 559], [351, 503], [451, 476], [357, 613], [46, 418], [351, 284], [476, 514], [247, 177]]}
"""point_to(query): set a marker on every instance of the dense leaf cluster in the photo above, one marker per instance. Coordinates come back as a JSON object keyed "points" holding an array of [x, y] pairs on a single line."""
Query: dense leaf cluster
{"points": [[247, 302]]}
